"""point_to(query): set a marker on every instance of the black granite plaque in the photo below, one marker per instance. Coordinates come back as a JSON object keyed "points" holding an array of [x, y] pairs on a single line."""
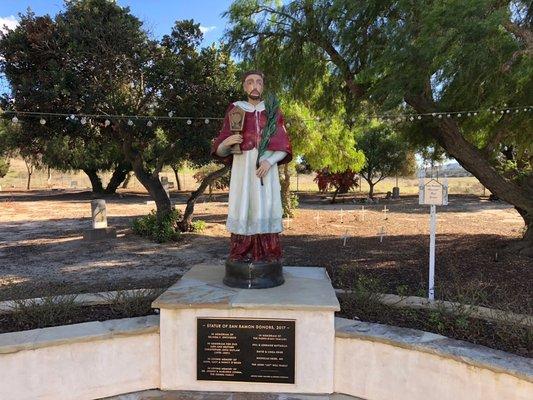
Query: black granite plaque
{"points": [[256, 350]]}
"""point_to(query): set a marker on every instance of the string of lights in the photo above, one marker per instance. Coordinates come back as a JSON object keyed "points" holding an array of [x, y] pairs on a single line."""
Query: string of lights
{"points": [[150, 119]]}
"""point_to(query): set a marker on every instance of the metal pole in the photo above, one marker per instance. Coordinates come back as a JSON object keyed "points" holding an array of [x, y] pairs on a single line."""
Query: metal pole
{"points": [[432, 228]]}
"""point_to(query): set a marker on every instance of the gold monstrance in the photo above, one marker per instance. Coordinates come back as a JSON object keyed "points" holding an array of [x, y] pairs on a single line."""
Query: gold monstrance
{"points": [[236, 121]]}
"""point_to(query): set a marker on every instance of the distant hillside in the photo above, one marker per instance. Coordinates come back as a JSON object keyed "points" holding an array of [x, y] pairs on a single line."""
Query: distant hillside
{"points": [[454, 169]]}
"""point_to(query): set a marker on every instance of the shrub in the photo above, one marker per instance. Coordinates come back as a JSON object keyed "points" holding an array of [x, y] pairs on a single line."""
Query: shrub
{"points": [[52, 310], [132, 303], [198, 225], [342, 182], [161, 231]]}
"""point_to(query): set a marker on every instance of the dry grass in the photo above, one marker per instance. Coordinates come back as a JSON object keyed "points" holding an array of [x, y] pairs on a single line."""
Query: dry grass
{"points": [[17, 177]]}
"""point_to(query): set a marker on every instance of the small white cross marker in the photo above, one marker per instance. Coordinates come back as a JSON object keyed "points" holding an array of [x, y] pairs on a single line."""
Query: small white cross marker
{"points": [[381, 233], [344, 238], [317, 218]]}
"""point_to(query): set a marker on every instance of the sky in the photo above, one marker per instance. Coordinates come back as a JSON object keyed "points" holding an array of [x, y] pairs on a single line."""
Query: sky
{"points": [[158, 15]]}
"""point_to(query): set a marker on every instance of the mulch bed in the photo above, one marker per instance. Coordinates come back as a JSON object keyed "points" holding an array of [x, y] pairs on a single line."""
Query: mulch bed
{"points": [[14, 322]]}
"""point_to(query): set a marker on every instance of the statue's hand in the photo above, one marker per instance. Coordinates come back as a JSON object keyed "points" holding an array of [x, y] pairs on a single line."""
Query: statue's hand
{"points": [[231, 140], [264, 166]]}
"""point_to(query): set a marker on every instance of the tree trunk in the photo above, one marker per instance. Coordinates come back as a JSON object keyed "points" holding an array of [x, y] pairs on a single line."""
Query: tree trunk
{"points": [[49, 178], [150, 180], [185, 224], [472, 159], [371, 189], [96, 182], [286, 192], [28, 183], [178, 180], [30, 169], [155, 189], [127, 180], [119, 175], [335, 193], [525, 246]]}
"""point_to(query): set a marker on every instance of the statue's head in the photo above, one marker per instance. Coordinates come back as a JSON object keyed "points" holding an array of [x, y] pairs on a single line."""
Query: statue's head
{"points": [[253, 84]]}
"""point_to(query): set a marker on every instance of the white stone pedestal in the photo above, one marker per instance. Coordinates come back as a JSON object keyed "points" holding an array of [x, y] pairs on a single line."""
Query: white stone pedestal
{"points": [[307, 297]]}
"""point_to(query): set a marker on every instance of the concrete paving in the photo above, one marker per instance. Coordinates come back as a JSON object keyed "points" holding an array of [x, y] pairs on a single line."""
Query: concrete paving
{"points": [[181, 395]]}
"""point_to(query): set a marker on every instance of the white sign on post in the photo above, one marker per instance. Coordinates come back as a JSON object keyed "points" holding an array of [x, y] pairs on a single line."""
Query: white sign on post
{"points": [[435, 194]]}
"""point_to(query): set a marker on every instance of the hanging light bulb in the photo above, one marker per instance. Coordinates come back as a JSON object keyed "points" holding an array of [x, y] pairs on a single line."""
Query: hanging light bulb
{"points": [[149, 124], [107, 123], [189, 122], [507, 111], [494, 111], [170, 114], [516, 111], [130, 122], [433, 114], [525, 109], [411, 118], [206, 121], [83, 120], [475, 113], [459, 115], [288, 124], [449, 115], [72, 116], [42, 121], [468, 115], [419, 117], [15, 120]]}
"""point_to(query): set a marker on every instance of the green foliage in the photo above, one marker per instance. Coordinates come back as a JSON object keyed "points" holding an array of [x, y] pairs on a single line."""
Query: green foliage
{"points": [[322, 142], [99, 60], [160, 229], [271, 107], [398, 56], [386, 154], [198, 225]]}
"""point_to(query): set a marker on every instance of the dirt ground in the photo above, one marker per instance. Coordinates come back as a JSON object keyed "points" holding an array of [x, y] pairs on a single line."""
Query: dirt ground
{"points": [[42, 250]]}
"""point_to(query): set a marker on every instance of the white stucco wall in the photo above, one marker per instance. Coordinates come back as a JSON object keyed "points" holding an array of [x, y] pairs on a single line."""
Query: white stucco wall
{"points": [[374, 370], [80, 368]]}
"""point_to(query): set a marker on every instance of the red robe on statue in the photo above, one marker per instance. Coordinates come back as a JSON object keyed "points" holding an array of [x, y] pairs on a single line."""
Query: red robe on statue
{"points": [[254, 217]]}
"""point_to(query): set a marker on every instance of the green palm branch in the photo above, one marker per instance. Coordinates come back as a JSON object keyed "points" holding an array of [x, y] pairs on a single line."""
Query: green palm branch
{"points": [[271, 108]]}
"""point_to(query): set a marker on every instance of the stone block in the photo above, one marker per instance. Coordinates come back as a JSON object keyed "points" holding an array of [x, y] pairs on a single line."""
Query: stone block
{"points": [[93, 235], [306, 298]]}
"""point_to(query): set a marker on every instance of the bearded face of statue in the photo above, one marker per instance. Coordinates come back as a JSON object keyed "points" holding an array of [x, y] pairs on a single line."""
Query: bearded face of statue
{"points": [[253, 86]]}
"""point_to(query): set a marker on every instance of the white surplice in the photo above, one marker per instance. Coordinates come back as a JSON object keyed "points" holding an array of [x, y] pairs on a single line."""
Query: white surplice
{"points": [[254, 208]]}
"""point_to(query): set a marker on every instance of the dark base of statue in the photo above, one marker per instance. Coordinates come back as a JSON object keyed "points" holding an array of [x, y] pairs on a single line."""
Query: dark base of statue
{"points": [[253, 274]]}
